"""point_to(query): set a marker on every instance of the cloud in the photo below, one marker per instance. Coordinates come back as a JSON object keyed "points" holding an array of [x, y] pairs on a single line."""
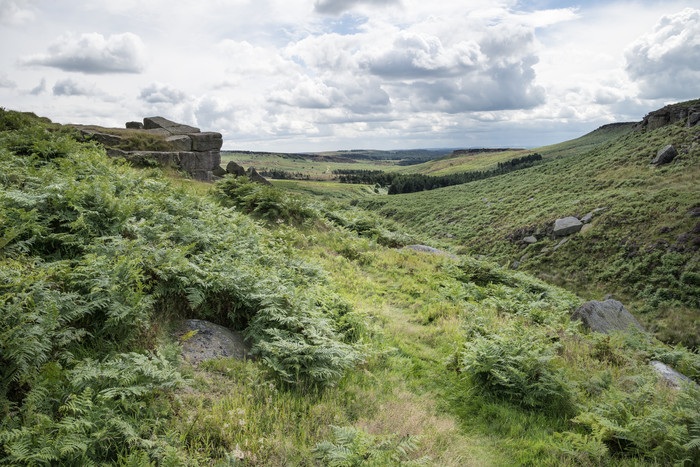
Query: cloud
{"points": [[40, 88], [14, 12], [666, 62], [94, 54], [336, 7], [158, 93], [422, 55], [6, 82], [70, 87]]}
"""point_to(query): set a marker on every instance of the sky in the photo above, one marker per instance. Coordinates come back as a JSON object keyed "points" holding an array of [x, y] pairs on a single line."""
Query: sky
{"points": [[315, 75]]}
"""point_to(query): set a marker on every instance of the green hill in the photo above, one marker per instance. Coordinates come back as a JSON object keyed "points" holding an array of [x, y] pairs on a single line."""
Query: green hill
{"points": [[643, 246], [364, 353]]}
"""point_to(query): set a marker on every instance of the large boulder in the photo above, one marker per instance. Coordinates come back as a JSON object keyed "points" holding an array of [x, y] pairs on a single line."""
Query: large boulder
{"points": [[103, 138], [173, 128], [256, 177], [206, 141], [693, 119], [235, 169], [606, 316], [180, 142], [191, 161], [670, 376], [566, 226], [665, 155], [134, 125], [202, 340]]}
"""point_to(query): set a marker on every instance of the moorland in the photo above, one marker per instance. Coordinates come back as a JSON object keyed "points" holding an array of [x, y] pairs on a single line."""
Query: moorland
{"points": [[365, 352]]}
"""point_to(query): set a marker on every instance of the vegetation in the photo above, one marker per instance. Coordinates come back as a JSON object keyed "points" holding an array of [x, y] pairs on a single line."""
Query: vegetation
{"points": [[411, 183], [367, 354], [642, 246]]}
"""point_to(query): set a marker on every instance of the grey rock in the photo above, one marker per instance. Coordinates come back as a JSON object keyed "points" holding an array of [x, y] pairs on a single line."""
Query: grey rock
{"points": [[112, 152], [202, 340], [103, 138], [254, 176], [599, 209], [171, 127], [428, 249], [586, 228], [530, 239], [180, 142], [235, 169], [191, 161], [605, 317], [515, 265], [670, 376], [560, 244], [134, 125], [158, 131], [206, 141], [665, 155], [219, 172], [566, 226], [693, 119], [587, 218], [162, 158], [657, 121], [544, 250]]}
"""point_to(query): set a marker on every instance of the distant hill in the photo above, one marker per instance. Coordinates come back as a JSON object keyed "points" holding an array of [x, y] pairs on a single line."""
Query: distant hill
{"points": [[643, 246]]}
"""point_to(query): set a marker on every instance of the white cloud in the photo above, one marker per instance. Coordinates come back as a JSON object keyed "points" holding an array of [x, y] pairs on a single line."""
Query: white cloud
{"points": [[336, 7], [666, 62], [15, 12], [159, 93], [94, 54], [39, 89], [71, 87], [6, 82]]}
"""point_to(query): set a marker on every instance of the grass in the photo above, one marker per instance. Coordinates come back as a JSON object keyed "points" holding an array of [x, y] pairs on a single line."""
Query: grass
{"points": [[480, 364], [642, 247]]}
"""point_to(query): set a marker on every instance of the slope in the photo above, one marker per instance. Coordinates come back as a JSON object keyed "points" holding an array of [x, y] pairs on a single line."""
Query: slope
{"points": [[469, 160], [642, 247]]}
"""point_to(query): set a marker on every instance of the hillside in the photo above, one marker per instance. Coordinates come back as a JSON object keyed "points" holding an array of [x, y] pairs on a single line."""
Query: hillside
{"points": [[643, 247], [362, 352]]}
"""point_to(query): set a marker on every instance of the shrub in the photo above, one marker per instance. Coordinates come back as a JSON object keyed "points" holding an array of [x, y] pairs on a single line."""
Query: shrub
{"points": [[518, 364]]}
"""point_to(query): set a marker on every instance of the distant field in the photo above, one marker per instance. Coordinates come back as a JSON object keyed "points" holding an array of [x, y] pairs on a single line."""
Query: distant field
{"points": [[320, 168], [327, 190]]}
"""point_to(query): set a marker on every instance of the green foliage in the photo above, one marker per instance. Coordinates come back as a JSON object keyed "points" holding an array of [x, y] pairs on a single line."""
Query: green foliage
{"points": [[269, 203], [517, 363], [642, 247], [646, 422], [351, 447], [94, 257]]}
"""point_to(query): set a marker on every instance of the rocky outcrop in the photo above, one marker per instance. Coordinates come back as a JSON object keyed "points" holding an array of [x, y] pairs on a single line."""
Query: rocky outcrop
{"points": [[173, 128], [605, 317], [235, 169], [566, 226], [665, 155], [134, 125], [253, 175], [671, 114], [202, 340], [103, 138]]}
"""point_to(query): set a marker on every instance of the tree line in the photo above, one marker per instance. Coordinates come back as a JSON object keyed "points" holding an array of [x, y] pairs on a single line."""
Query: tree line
{"points": [[411, 183]]}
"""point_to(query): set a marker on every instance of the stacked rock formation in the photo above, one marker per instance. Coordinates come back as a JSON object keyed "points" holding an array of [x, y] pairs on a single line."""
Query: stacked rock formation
{"points": [[198, 153]]}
